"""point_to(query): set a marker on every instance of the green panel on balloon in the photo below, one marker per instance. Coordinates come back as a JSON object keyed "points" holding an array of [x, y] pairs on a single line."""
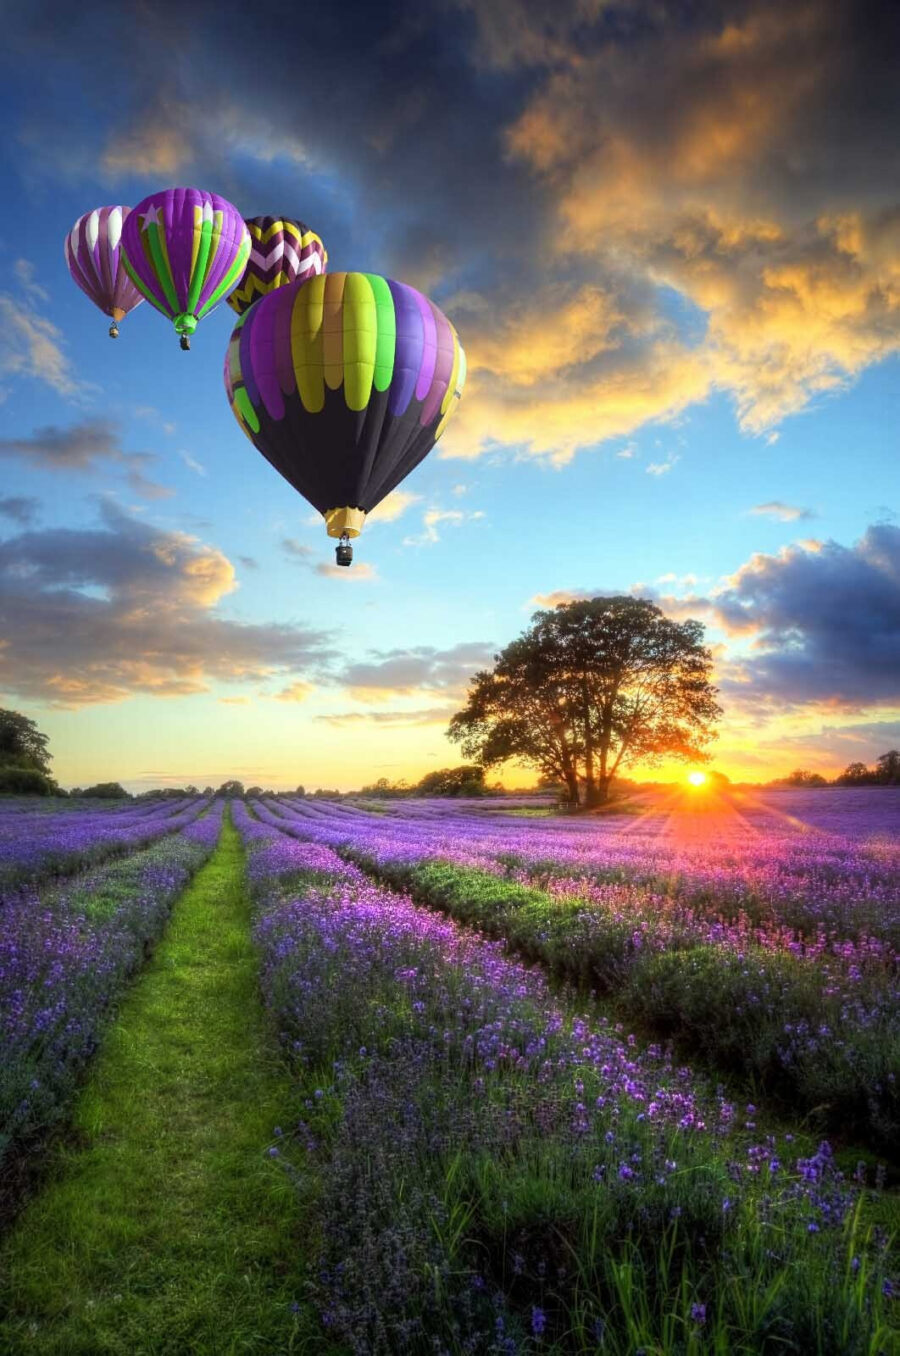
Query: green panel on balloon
{"points": [[386, 345]]}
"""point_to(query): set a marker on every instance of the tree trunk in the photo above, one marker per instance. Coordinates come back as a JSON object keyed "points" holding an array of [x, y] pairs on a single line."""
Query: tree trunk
{"points": [[590, 785]]}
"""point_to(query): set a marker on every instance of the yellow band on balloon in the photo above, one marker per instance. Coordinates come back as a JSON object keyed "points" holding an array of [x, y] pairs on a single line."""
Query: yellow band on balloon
{"points": [[341, 522]]}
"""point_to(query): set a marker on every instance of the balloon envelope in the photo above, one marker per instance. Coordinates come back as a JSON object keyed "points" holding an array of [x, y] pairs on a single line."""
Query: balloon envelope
{"points": [[282, 251], [344, 383], [185, 250], [94, 256]]}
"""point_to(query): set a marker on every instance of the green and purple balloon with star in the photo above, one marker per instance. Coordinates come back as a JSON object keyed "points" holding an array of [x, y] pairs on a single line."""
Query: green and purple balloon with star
{"points": [[185, 250]]}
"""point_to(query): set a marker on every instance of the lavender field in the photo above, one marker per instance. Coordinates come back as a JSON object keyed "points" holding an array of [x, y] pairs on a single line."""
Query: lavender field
{"points": [[615, 1083]]}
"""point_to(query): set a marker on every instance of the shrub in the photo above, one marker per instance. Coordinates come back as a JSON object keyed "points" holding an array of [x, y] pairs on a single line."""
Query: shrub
{"points": [[24, 781]]}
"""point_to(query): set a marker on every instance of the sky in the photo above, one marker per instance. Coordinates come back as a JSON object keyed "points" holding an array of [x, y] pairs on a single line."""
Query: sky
{"points": [[669, 237]]}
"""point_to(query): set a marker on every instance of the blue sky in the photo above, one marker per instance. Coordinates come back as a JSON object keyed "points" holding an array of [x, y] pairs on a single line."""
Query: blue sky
{"points": [[681, 306]]}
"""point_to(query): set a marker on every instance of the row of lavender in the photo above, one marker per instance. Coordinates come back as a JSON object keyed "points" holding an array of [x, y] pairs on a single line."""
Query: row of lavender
{"points": [[825, 865], [35, 844], [501, 1174], [66, 951], [813, 1020]]}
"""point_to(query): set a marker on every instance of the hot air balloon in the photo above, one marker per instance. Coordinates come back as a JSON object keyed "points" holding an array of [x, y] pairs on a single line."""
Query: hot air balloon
{"points": [[185, 250], [282, 251], [344, 383], [94, 257]]}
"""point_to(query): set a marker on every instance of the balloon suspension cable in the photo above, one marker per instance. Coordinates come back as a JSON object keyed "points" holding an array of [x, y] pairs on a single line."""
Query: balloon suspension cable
{"points": [[114, 330], [185, 343], [343, 552]]}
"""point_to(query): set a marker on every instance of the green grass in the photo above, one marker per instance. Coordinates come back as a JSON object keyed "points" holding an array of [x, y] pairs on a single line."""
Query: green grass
{"points": [[164, 1225]]}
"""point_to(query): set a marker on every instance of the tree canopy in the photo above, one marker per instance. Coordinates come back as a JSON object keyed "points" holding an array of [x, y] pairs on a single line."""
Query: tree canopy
{"points": [[589, 688], [22, 744], [105, 791], [467, 780], [886, 772]]}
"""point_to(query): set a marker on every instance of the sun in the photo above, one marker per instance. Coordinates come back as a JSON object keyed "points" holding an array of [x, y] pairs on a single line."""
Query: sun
{"points": [[697, 778]]}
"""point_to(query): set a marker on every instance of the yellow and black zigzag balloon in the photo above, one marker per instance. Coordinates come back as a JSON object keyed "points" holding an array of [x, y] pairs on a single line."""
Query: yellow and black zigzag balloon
{"points": [[282, 251]]}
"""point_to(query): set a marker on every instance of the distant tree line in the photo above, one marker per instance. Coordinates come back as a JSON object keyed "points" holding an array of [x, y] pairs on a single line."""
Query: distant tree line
{"points": [[886, 772], [467, 780]]}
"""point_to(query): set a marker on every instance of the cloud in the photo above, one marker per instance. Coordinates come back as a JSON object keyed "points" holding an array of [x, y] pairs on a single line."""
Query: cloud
{"points": [[248, 562], [192, 464], [31, 346], [815, 627], [295, 692], [662, 468], [155, 147], [393, 507], [297, 550], [19, 509], [306, 556], [25, 271], [634, 207], [825, 625], [783, 513], [359, 572], [85, 447], [709, 156], [429, 715], [422, 669], [431, 520], [102, 614]]}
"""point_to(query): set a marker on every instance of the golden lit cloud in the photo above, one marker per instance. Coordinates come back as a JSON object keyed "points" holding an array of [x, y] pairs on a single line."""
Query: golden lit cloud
{"points": [[104, 614], [683, 162], [296, 692], [393, 507]]}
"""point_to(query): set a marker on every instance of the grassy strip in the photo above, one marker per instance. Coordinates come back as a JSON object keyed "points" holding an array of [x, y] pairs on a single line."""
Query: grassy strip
{"points": [[166, 1226], [66, 954], [760, 1017]]}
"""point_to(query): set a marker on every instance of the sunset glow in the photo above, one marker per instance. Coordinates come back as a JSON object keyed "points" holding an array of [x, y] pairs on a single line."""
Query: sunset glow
{"points": [[696, 779]]}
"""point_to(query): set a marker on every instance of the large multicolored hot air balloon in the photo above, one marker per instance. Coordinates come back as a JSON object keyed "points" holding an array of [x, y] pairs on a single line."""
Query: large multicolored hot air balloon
{"points": [[94, 257], [185, 250], [344, 383], [282, 251]]}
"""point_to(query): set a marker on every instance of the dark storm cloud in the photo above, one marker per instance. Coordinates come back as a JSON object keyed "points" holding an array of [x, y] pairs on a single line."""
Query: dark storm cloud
{"points": [[818, 624], [88, 446], [551, 173], [100, 614], [19, 508], [375, 111], [825, 624]]}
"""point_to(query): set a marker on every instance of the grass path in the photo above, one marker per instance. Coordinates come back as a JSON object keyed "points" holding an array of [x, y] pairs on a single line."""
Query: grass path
{"points": [[165, 1226]]}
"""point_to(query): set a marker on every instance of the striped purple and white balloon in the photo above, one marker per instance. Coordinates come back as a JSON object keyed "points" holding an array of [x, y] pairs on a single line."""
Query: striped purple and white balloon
{"points": [[94, 257]]}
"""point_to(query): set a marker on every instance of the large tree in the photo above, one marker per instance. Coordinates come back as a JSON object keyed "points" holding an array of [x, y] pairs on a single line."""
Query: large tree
{"points": [[22, 744], [589, 688]]}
